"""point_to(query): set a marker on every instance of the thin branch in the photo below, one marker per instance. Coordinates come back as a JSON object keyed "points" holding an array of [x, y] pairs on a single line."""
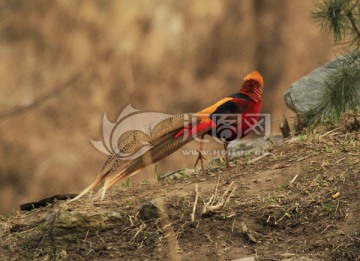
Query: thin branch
{"points": [[219, 204], [352, 19], [195, 203], [354, 6], [216, 188], [44, 202], [37, 102], [354, 25], [293, 180], [59, 90], [129, 80]]}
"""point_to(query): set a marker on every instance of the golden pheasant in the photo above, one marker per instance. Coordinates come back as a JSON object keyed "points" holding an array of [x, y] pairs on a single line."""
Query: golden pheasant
{"points": [[229, 119]]}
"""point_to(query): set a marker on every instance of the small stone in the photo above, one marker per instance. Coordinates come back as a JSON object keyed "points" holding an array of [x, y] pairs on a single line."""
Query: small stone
{"points": [[248, 258], [149, 211], [247, 233]]}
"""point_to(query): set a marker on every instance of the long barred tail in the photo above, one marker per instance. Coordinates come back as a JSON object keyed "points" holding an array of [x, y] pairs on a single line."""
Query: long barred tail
{"points": [[163, 138]]}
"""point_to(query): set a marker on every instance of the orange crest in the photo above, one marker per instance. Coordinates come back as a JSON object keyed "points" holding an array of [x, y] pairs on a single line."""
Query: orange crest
{"points": [[255, 75]]}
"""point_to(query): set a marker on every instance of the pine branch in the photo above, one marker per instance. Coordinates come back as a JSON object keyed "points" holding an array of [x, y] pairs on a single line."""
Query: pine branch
{"points": [[352, 19], [342, 87]]}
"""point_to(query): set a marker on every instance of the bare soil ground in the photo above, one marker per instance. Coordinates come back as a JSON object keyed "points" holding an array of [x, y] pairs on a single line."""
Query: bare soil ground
{"points": [[300, 200]]}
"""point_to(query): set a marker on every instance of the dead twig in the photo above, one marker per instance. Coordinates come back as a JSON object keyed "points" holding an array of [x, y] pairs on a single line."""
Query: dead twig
{"points": [[213, 197], [220, 203], [329, 132], [209, 238], [195, 203], [259, 158], [216, 188], [46, 201], [271, 141], [293, 180], [141, 228]]}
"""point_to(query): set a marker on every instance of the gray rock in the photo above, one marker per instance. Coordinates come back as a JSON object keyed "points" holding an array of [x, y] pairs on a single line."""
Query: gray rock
{"points": [[306, 94]]}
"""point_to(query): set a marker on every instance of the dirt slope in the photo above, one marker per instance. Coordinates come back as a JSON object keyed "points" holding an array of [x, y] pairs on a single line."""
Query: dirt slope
{"points": [[301, 200]]}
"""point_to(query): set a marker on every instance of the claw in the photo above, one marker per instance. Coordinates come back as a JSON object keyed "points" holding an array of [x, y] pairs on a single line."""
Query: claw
{"points": [[201, 158], [227, 155]]}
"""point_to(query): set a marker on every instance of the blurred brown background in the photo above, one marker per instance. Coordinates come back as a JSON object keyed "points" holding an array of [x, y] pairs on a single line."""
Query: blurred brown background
{"points": [[184, 55]]}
